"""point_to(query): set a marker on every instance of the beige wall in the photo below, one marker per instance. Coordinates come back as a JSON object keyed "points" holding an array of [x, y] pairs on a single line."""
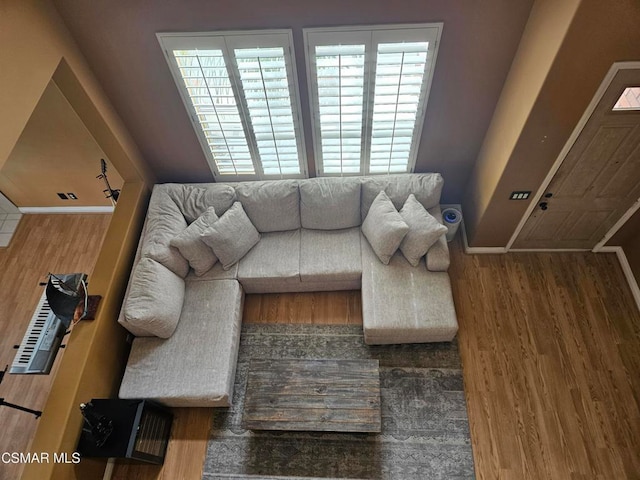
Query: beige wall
{"points": [[628, 237], [36, 47], [541, 40], [55, 153], [477, 46], [521, 147], [632, 251]]}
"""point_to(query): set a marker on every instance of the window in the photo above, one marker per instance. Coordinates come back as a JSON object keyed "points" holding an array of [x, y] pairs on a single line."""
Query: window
{"points": [[628, 100], [240, 89], [368, 92]]}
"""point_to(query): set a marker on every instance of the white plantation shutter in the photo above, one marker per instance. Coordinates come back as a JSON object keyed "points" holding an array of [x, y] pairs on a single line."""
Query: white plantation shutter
{"points": [[368, 89], [241, 91], [266, 90], [340, 87], [208, 85], [397, 104]]}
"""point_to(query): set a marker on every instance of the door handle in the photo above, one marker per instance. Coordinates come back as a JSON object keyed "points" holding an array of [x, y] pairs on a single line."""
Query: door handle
{"points": [[543, 205]]}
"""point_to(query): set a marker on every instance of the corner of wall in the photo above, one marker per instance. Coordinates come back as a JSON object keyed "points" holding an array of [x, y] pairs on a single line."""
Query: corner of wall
{"points": [[543, 36]]}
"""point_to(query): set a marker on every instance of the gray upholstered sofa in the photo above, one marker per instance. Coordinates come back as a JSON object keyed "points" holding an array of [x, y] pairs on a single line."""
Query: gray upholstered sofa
{"points": [[310, 240]]}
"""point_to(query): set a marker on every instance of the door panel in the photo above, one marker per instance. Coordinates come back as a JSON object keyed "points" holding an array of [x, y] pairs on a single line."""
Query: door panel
{"points": [[598, 181]]}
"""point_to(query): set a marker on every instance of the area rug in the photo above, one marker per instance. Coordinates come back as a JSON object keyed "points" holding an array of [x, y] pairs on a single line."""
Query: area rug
{"points": [[425, 430]]}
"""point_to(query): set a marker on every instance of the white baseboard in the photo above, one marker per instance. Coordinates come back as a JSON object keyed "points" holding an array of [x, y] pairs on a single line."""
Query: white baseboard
{"points": [[96, 209], [548, 250], [619, 251], [626, 269], [108, 471], [477, 250]]}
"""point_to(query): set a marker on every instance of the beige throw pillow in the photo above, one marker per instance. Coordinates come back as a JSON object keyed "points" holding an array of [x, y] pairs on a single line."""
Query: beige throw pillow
{"points": [[232, 236], [199, 255], [384, 227], [424, 230]]}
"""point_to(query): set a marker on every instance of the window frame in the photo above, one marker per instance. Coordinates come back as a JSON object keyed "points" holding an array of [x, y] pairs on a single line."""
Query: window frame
{"points": [[372, 35], [227, 41]]}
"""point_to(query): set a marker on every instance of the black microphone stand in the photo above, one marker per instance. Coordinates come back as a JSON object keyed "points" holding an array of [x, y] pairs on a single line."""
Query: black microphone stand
{"points": [[109, 192]]}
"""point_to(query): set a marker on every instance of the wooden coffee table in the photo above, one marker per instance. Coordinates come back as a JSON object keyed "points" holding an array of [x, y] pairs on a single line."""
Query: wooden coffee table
{"points": [[313, 395]]}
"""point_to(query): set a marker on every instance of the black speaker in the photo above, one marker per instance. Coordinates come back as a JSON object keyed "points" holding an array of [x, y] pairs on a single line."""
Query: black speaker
{"points": [[130, 429]]}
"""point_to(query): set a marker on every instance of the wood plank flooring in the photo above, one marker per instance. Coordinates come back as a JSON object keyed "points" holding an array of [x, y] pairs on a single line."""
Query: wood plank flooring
{"points": [[550, 345], [41, 244]]}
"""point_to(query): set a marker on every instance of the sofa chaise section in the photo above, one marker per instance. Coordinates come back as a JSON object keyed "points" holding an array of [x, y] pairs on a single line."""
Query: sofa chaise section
{"points": [[405, 304], [195, 367]]}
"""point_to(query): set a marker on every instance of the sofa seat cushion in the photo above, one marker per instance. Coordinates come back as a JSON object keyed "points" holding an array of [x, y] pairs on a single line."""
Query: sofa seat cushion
{"points": [[405, 304], [427, 188], [330, 255], [196, 366], [330, 203], [272, 206], [276, 258], [217, 272]]}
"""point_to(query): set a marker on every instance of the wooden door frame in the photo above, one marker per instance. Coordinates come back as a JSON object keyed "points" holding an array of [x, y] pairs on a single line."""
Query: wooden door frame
{"points": [[606, 82]]}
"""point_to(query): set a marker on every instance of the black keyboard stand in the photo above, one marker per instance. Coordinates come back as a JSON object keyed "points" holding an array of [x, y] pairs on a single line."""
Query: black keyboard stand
{"points": [[37, 413]]}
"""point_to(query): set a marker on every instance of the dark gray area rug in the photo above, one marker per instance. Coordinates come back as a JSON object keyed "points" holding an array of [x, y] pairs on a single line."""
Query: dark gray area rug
{"points": [[425, 430]]}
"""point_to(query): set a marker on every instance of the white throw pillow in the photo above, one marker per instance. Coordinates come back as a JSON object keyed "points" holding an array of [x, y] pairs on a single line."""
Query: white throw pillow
{"points": [[199, 255], [232, 236], [155, 298], [424, 230], [384, 228]]}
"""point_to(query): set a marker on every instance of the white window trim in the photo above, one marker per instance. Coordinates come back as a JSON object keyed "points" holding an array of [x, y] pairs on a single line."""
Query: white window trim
{"points": [[376, 34], [227, 41]]}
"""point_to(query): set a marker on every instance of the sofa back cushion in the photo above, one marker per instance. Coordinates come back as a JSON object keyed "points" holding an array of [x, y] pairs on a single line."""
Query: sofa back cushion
{"points": [[330, 203], [155, 298], [195, 199], [426, 187], [272, 206], [164, 222]]}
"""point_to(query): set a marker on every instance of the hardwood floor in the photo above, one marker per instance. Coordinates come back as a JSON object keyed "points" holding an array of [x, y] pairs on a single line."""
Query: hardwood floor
{"points": [[41, 244], [550, 345]]}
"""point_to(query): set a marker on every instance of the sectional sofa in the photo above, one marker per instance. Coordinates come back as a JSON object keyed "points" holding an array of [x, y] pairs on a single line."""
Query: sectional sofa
{"points": [[186, 314]]}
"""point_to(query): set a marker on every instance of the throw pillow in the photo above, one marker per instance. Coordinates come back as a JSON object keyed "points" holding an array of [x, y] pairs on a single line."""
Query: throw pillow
{"points": [[199, 255], [384, 228], [155, 298], [232, 236], [424, 230]]}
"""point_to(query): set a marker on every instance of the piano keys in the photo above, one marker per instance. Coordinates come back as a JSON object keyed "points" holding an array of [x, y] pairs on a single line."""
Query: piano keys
{"points": [[41, 342]]}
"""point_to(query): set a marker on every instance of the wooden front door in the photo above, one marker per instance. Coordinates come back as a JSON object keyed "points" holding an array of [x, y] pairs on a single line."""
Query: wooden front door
{"points": [[598, 181]]}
